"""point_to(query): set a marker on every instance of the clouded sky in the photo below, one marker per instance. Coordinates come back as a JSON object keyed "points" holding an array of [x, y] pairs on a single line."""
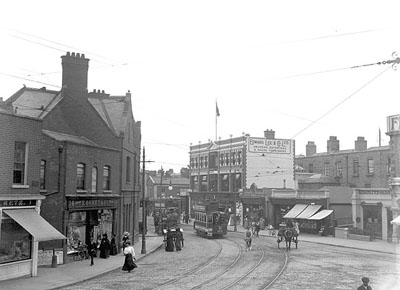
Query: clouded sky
{"points": [[281, 65]]}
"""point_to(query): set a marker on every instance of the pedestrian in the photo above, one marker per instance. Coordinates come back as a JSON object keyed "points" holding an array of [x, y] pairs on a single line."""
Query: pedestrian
{"points": [[125, 237], [113, 244], [170, 241], [365, 285], [178, 239], [98, 241], [130, 256], [248, 239], [105, 247], [92, 249]]}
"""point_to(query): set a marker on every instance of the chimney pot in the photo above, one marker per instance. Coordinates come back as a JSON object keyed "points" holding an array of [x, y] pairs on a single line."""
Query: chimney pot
{"points": [[73, 54], [68, 53], [103, 92], [360, 144], [311, 148], [82, 55], [78, 55], [333, 144]]}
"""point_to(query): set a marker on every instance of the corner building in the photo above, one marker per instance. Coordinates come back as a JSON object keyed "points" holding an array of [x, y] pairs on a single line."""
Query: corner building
{"points": [[89, 171]]}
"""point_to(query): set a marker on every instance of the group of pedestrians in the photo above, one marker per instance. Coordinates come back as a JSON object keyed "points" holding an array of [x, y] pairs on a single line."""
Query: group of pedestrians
{"points": [[103, 248], [173, 239]]}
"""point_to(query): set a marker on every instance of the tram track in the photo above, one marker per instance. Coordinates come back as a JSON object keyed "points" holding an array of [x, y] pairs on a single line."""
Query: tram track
{"points": [[195, 270]]}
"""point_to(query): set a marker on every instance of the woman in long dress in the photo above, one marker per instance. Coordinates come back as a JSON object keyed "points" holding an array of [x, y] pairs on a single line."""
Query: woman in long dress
{"points": [[170, 242], [129, 253], [113, 244]]}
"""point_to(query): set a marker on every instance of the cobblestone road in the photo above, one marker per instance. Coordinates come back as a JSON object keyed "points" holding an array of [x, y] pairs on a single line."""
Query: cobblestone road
{"points": [[311, 266]]}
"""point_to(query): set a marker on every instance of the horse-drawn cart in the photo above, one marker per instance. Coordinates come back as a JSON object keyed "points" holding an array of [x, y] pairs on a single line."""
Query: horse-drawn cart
{"points": [[287, 234]]}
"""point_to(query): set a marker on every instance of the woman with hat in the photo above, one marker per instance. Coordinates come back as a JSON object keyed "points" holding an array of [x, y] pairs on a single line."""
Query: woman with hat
{"points": [[365, 285], [129, 253], [105, 247]]}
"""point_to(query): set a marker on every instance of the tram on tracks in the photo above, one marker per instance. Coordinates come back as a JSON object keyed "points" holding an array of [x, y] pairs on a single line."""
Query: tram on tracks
{"points": [[209, 221]]}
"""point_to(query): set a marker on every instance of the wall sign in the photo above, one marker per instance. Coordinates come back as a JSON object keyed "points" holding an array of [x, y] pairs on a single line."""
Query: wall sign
{"points": [[7, 203], [92, 203]]}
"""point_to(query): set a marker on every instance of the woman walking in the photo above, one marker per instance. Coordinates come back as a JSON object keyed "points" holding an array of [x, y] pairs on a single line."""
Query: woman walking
{"points": [[129, 253]]}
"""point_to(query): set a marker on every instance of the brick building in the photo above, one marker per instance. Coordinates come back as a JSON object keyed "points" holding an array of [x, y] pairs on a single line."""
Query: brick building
{"points": [[21, 226], [90, 156], [361, 167]]}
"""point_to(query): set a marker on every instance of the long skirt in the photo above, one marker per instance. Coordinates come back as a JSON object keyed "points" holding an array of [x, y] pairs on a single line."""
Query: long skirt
{"points": [[129, 264], [170, 245]]}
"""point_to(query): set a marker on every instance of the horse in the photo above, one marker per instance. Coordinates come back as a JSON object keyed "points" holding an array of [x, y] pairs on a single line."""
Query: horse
{"points": [[289, 234]]}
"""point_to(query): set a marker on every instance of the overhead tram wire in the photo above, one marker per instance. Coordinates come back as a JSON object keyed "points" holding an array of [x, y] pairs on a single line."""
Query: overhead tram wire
{"points": [[394, 63]]}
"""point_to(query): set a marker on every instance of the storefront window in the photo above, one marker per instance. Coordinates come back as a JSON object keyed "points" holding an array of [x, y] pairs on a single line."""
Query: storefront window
{"points": [[15, 242], [76, 230]]}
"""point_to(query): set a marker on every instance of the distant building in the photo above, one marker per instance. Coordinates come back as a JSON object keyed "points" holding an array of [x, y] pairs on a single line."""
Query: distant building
{"points": [[223, 168], [361, 167], [21, 225]]}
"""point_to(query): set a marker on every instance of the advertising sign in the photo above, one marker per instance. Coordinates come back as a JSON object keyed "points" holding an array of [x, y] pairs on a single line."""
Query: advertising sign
{"points": [[262, 145]]}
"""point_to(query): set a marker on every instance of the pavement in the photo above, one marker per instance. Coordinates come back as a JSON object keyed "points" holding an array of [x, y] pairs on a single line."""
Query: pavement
{"points": [[75, 272]]}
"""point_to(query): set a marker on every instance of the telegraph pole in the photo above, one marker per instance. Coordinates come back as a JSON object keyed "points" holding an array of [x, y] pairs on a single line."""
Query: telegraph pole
{"points": [[144, 204]]}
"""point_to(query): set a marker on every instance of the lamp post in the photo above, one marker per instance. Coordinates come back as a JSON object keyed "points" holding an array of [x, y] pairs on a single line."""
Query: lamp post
{"points": [[144, 208]]}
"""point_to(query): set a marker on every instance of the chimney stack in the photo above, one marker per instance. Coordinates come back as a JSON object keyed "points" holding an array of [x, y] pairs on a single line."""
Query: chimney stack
{"points": [[332, 144], [75, 72], [269, 134], [360, 144], [311, 148]]}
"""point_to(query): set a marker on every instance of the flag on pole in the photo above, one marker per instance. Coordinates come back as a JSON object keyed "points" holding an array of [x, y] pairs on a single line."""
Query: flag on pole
{"points": [[216, 108]]}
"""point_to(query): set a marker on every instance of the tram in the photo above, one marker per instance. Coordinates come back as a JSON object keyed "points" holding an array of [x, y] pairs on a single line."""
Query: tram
{"points": [[209, 221]]}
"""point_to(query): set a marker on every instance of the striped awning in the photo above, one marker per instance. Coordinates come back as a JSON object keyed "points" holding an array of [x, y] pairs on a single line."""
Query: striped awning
{"points": [[295, 211], [321, 215], [309, 211]]}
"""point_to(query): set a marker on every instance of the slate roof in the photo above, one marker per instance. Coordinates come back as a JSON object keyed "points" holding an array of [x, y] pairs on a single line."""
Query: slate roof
{"points": [[69, 138], [34, 103], [111, 111]]}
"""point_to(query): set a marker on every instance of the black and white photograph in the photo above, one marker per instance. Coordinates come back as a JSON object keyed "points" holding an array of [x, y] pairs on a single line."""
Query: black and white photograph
{"points": [[181, 144]]}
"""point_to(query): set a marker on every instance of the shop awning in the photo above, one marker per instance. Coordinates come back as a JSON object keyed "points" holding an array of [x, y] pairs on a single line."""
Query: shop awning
{"points": [[295, 211], [396, 221], [309, 211], [321, 215], [37, 226]]}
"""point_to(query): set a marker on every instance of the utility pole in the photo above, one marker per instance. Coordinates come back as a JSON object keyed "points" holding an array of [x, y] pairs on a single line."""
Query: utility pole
{"points": [[144, 217]]}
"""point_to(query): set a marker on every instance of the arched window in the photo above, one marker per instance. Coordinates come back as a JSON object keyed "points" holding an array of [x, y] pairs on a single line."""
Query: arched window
{"points": [[106, 177]]}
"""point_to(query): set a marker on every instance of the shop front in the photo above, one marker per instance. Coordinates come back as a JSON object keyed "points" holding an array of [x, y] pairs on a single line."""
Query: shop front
{"points": [[21, 230], [89, 218], [253, 208]]}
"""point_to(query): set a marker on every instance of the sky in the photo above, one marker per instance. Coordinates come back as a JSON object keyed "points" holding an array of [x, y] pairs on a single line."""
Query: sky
{"points": [[280, 65]]}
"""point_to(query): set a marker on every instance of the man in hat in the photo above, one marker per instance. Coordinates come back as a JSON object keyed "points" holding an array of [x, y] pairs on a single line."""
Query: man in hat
{"points": [[364, 285]]}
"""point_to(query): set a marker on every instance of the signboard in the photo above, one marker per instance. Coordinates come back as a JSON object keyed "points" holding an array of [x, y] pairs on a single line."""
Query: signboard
{"points": [[393, 123], [92, 203], [262, 145], [4, 203]]}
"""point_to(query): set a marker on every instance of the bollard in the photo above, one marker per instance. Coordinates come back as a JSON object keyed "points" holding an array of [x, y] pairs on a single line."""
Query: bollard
{"points": [[54, 260]]}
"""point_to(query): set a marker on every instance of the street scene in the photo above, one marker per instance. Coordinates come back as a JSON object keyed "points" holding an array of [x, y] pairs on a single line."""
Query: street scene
{"points": [[199, 145]]}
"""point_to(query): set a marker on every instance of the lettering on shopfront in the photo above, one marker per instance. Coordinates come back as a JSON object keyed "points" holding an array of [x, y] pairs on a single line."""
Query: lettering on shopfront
{"points": [[262, 145], [90, 203], [4, 203]]}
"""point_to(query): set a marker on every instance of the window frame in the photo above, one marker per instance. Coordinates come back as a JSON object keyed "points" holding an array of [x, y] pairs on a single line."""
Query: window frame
{"points": [[80, 176], [24, 162], [94, 183], [370, 166], [106, 177]]}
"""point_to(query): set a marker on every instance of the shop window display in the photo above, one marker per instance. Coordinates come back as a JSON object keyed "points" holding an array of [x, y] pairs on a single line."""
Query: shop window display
{"points": [[15, 242]]}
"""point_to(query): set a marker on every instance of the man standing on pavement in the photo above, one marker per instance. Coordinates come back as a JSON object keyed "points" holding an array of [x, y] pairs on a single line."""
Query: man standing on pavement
{"points": [[364, 285]]}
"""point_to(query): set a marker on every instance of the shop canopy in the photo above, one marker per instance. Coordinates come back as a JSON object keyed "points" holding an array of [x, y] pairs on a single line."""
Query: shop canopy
{"points": [[295, 211], [309, 211], [321, 215], [396, 221], [36, 225]]}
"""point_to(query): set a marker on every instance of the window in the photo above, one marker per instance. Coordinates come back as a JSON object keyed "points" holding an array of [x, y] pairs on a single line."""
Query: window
{"points": [[222, 159], [42, 174], [19, 176], [201, 161], [106, 178], [239, 157], [310, 168], [339, 169], [128, 169], [234, 158], [389, 166], [326, 169], [370, 166], [206, 161], [355, 167], [80, 176], [94, 180]]}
